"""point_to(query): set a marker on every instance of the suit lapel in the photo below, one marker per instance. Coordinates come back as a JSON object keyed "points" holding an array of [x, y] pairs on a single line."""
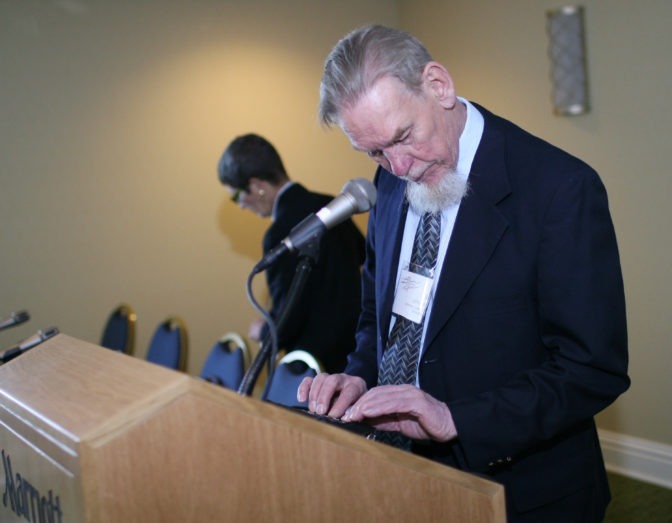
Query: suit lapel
{"points": [[391, 219], [478, 229]]}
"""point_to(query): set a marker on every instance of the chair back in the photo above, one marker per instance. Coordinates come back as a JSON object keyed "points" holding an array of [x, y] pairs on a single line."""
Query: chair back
{"points": [[226, 362], [169, 344], [291, 369], [119, 330]]}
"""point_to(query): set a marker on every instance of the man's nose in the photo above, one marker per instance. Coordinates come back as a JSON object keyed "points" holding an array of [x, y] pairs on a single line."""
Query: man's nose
{"points": [[399, 163]]}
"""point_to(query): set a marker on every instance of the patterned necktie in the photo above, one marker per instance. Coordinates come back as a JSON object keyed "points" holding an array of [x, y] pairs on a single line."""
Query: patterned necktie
{"points": [[400, 359]]}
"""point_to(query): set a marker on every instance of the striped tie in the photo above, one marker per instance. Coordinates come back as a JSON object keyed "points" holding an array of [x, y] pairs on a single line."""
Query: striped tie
{"points": [[400, 359]]}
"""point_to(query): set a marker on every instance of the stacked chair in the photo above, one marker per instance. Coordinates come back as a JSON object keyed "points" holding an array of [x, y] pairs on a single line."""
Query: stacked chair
{"points": [[169, 345], [226, 362], [119, 330], [289, 372]]}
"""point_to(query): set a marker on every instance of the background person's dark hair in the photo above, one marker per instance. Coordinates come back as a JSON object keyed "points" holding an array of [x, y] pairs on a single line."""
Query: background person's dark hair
{"points": [[250, 156]]}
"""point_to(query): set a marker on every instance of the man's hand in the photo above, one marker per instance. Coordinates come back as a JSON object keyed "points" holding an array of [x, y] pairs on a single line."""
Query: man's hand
{"points": [[405, 409], [254, 333], [331, 394]]}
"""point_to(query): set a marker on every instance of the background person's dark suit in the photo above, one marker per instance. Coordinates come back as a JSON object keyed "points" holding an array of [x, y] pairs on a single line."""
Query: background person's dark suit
{"points": [[325, 316], [527, 336]]}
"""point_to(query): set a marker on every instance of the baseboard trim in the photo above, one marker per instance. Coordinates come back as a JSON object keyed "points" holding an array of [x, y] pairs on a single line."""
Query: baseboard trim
{"points": [[637, 458]]}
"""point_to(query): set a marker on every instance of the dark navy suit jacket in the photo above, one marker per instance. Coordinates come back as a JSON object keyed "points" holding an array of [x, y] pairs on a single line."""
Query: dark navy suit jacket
{"points": [[527, 337]]}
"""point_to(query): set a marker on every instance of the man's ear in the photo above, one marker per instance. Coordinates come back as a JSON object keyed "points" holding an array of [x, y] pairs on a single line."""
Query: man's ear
{"points": [[251, 184], [260, 187], [439, 84], [255, 184]]}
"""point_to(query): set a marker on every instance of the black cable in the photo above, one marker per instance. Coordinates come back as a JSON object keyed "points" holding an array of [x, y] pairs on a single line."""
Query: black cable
{"points": [[268, 352]]}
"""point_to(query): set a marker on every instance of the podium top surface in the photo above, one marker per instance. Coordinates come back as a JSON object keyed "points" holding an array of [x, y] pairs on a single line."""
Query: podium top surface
{"points": [[78, 395]]}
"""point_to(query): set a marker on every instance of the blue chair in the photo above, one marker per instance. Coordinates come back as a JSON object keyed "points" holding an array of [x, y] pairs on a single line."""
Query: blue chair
{"points": [[226, 363], [291, 369], [119, 330], [169, 344]]}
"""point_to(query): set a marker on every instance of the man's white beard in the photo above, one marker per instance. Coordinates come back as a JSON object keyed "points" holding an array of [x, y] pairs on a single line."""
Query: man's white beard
{"points": [[448, 191]]}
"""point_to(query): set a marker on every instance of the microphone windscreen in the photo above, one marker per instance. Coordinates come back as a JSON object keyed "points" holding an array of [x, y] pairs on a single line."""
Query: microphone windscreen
{"points": [[363, 192], [21, 316]]}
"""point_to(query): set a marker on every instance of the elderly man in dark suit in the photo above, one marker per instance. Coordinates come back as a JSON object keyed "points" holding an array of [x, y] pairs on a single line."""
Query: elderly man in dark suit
{"points": [[494, 352], [324, 317]]}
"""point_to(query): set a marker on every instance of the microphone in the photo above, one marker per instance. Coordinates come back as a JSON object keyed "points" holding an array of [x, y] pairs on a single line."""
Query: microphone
{"points": [[13, 319], [27, 344], [357, 196]]}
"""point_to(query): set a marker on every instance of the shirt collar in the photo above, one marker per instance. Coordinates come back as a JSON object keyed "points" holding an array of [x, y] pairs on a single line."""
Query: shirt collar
{"points": [[470, 137], [277, 198]]}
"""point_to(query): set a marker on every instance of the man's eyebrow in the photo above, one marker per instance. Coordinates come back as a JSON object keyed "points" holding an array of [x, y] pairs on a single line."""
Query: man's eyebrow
{"points": [[398, 135]]}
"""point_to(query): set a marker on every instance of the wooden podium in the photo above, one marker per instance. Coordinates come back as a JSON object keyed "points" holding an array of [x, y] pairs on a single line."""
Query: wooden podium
{"points": [[89, 434]]}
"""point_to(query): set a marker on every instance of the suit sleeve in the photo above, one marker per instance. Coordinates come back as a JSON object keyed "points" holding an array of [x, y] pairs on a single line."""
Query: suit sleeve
{"points": [[363, 361], [582, 327]]}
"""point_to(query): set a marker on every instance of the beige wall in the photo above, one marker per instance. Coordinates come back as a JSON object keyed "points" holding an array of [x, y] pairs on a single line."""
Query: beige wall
{"points": [[113, 115]]}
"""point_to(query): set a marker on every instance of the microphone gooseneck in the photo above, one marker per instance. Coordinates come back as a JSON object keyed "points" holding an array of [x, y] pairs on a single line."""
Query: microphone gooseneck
{"points": [[27, 344]]}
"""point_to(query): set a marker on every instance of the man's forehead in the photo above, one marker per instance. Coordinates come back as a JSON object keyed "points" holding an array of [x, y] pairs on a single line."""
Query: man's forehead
{"points": [[379, 117], [377, 132]]}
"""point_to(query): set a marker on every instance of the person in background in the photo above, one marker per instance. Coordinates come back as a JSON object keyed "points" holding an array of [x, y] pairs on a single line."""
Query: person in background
{"points": [[324, 318], [489, 340]]}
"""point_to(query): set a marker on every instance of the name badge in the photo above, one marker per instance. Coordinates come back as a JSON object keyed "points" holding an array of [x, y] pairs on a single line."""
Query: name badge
{"points": [[412, 296]]}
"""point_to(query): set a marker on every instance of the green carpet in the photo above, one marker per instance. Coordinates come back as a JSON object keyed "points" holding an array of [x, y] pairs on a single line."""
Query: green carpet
{"points": [[634, 501]]}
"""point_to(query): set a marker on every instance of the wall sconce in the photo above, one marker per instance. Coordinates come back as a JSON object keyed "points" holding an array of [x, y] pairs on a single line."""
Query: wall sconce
{"points": [[567, 52]]}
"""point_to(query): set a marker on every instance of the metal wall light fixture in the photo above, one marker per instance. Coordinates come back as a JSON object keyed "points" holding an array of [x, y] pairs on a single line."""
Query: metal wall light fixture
{"points": [[567, 52]]}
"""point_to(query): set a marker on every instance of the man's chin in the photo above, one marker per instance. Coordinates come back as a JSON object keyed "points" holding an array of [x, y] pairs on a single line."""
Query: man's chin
{"points": [[435, 193]]}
